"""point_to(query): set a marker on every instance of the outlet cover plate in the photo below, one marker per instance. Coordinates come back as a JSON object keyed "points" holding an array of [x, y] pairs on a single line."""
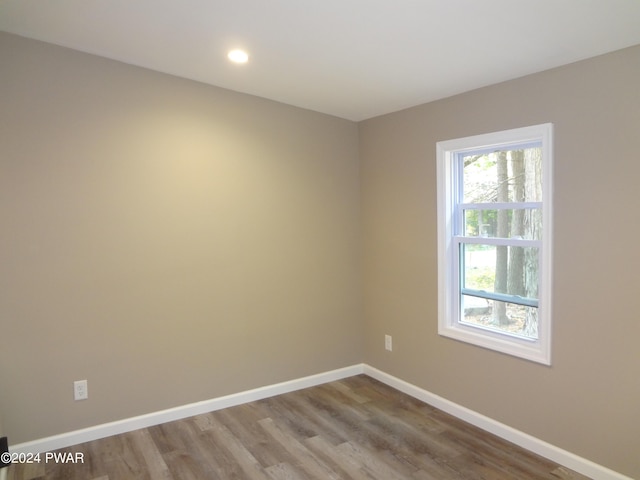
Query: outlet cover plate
{"points": [[80, 390]]}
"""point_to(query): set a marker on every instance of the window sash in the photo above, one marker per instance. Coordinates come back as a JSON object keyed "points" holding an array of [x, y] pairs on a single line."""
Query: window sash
{"points": [[501, 297], [500, 206], [451, 236], [497, 241], [458, 265]]}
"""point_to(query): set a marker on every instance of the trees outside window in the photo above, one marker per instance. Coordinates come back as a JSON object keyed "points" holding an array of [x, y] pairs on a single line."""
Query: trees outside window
{"points": [[494, 240]]}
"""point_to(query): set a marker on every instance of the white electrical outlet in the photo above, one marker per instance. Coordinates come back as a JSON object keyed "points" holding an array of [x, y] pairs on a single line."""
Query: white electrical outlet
{"points": [[388, 345], [80, 390]]}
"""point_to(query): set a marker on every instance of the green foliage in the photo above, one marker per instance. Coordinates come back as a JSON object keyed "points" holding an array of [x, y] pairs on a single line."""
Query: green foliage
{"points": [[482, 278]]}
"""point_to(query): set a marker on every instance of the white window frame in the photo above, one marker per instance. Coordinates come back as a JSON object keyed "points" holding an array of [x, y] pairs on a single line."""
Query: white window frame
{"points": [[449, 324]]}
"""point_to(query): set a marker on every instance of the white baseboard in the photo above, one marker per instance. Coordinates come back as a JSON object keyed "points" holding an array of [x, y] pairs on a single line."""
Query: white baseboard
{"points": [[533, 444], [129, 424], [553, 453]]}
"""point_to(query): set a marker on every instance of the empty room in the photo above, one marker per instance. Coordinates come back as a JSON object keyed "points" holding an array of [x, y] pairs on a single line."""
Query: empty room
{"points": [[308, 240]]}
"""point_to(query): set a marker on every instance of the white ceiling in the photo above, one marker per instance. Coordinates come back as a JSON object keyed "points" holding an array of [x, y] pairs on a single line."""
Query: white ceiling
{"points": [[354, 59]]}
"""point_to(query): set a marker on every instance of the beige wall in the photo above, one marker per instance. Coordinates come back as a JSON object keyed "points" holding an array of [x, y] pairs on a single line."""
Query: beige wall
{"points": [[172, 242], [588, 401], [168, 241]]}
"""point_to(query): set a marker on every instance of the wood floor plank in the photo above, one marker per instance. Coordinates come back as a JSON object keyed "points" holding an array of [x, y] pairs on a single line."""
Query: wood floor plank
{"points": [[252, 436], [25, 471], [301, 419], [380, 464], [341, 461], [354, 428], [185, 465], [347, 390], [564, 473], [310, 463], [244, 458], [153, 460], [284, 471]]}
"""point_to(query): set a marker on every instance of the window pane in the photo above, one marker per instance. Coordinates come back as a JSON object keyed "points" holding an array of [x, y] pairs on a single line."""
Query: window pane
{"points": [[510, 175], [501, 269], [520, 223], [501, 317]]}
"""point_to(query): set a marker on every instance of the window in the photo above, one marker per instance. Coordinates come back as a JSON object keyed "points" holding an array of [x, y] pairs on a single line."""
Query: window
{"points": [[494, 241]]}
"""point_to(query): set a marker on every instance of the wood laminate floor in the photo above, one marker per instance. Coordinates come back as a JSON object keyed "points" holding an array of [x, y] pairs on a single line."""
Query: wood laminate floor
{"points": [[356, 428]]}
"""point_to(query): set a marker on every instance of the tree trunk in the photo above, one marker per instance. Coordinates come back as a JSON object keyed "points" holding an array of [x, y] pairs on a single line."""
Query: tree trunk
{"points": [[516, 255], [502, 252], [532, 229]]}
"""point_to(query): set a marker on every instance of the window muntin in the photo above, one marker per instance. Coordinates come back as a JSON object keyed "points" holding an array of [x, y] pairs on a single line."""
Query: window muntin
{"points": [[494, 199], [480, 221]]}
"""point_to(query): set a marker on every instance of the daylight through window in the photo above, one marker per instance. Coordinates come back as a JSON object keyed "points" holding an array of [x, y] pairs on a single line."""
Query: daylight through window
{"points": [[494, 199]]}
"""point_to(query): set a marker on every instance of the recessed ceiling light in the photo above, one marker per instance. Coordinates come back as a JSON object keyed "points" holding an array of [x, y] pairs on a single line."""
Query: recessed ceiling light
{"points": [[238, 56]]}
